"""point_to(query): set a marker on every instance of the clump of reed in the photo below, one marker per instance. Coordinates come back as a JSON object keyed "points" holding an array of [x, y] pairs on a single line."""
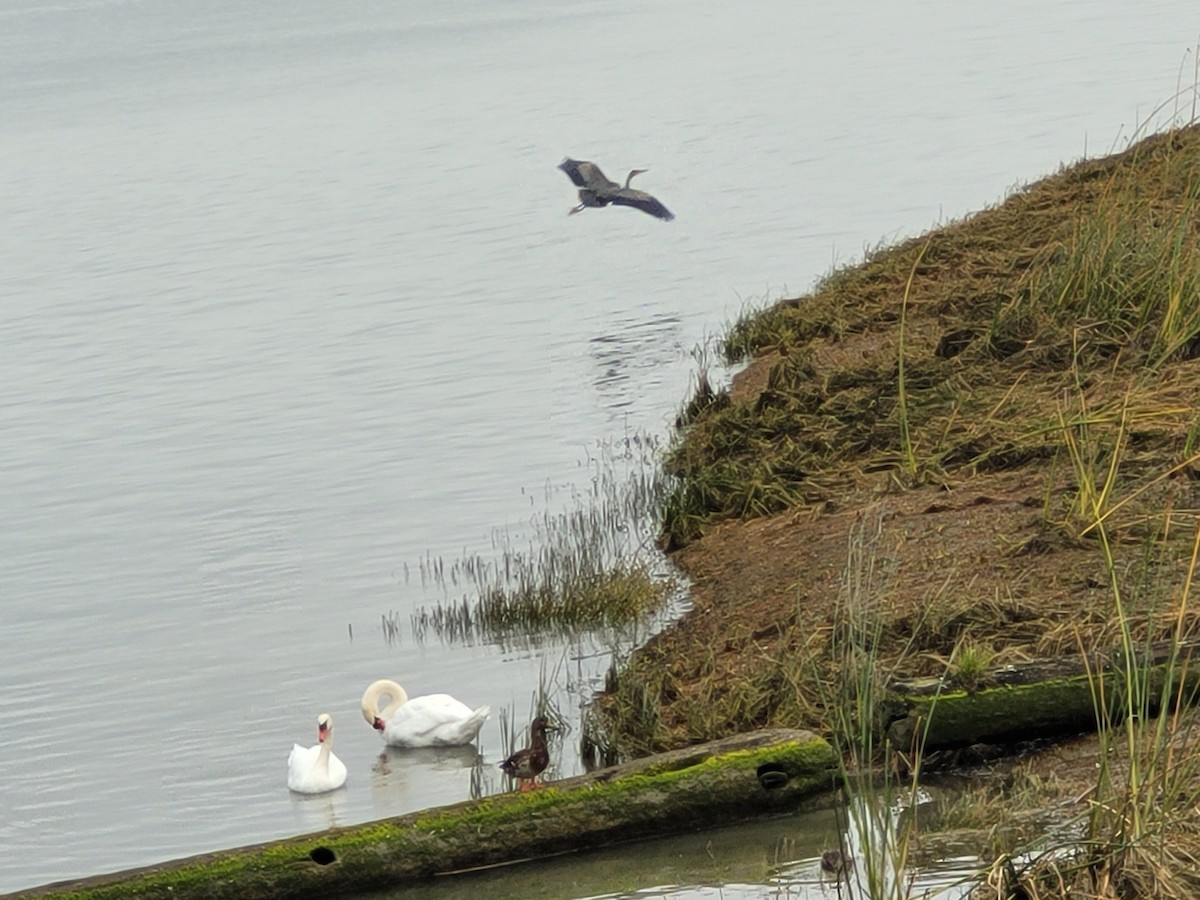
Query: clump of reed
{"points": [[541, 600], [627, 722], [1138, 836], [970, 663], [589, 565], [879, 803]]}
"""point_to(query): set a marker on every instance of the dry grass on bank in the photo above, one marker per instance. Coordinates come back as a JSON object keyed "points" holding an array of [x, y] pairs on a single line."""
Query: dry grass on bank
{"points": [[988, 436], [1050, 352], [1073, 301]]}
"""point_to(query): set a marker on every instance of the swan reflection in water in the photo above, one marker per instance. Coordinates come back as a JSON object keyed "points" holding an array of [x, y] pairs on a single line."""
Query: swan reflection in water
{"points": [[405, 779], [319, 812]]}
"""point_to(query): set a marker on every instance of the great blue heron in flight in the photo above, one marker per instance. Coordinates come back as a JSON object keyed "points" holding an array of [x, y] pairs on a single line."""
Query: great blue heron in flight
{"points": [[596, 190]]}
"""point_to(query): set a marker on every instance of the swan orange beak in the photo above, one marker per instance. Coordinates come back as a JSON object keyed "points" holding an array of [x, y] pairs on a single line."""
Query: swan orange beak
{"points": [[378, 724], [322, 733]]}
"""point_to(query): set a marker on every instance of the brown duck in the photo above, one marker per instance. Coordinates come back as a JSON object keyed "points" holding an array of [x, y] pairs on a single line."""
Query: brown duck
{"points": [[833, 863], [526, 765]]}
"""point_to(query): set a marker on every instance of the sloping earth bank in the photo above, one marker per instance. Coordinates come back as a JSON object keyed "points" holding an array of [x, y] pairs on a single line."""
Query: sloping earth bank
{"points": [[982, 438]]}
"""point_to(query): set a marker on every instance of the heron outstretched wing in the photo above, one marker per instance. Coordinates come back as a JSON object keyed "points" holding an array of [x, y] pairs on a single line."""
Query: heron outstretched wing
{"points": [[643, 201], [587, 175]]}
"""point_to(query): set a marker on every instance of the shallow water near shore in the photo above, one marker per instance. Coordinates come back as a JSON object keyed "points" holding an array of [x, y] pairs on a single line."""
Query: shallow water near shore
{"points": [[779, 857], [292, 304]]}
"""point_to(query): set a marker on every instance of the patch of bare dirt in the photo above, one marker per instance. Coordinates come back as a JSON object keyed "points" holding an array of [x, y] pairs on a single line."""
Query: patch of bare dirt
{"points": [[955, 558]]}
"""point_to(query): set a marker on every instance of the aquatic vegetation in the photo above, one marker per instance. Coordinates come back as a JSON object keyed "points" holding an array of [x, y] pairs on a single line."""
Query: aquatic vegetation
{"points": [[590, 565]]}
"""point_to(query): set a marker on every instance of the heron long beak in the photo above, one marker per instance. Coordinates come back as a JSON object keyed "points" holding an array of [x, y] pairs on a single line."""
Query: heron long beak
{"points": [[574, 210]]}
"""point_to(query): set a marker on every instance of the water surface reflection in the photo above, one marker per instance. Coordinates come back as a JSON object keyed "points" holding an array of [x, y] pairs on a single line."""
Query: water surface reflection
{"points": [[771, 858]]}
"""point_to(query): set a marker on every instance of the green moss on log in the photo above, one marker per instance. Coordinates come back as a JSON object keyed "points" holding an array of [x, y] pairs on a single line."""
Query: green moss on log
{"points": [[1040, 698], [957, 718], [739, 778]]}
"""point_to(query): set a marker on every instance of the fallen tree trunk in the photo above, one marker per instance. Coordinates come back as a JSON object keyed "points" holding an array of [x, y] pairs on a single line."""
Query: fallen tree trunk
{"points": [[739, 777], [1039, 699]]}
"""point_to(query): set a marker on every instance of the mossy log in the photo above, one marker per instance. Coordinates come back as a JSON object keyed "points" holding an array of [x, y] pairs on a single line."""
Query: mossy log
{"points": [[711, 784], [1038, 699]]}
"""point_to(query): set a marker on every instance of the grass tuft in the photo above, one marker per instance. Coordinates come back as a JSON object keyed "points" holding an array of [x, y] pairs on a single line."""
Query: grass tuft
{"points": [[588, 566]]}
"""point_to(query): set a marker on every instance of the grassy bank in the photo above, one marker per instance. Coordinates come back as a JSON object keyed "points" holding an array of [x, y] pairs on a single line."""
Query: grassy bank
{"points": [[978, 445], [964, 350]]}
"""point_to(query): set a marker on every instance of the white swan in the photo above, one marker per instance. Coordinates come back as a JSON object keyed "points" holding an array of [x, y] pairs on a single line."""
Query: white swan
{"points": [[435, 720], [314, 770]]}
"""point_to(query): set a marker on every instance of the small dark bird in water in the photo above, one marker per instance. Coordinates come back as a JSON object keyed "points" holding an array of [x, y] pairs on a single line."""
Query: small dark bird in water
{"points": [[526, 765], [833, 863], [596, 190]]}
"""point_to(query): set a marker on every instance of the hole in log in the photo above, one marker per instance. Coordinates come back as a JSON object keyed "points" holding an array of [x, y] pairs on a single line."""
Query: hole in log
{"points": [[322, 856], [772, 776]]}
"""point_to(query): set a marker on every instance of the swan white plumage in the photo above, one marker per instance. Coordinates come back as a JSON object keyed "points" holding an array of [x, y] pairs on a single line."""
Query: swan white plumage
{"points": [[434, 720], [315, 769]]}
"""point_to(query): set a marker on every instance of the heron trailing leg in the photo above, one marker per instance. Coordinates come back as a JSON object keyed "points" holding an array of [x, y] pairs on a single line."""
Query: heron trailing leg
{"points": [[596, 190]]}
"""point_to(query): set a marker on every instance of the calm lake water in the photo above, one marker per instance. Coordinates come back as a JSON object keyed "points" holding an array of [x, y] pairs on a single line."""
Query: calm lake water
{"points": [[291, 302]]}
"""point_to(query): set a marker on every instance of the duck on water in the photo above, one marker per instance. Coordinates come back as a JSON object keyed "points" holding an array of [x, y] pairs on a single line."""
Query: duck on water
{"points": [[315, 769]]}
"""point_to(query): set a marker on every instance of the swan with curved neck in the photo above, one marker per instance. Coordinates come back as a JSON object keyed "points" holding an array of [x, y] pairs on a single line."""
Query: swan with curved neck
{"points": [[434, 720], [315, 769]]}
